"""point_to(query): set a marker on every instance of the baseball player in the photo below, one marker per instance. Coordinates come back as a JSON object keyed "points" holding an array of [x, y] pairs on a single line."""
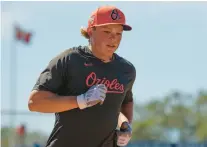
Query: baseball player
{"points": [[89, 88]]}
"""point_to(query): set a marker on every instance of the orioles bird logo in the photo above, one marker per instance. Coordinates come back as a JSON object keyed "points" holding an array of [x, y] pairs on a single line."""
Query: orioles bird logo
{"points": [[115, 15]]}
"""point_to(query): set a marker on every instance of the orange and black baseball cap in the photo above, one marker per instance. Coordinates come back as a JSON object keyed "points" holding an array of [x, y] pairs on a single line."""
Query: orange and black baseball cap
{"points": [[106, 15]]}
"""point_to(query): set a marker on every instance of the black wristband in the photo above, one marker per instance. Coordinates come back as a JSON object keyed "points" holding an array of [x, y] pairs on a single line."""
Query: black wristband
{"points": [[125, 127]]}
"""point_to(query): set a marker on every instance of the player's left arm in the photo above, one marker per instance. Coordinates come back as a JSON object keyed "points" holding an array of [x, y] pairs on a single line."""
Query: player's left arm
{"points": [[127, 105], [126, 116], [125, 124]]}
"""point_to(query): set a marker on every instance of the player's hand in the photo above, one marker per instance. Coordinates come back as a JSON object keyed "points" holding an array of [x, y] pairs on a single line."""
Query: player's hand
{"points": [[124, 134], [96, 94]]}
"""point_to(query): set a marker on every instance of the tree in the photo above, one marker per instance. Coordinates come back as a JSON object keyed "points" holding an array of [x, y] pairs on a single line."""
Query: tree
{"points": [[201, 115], [183, 112]]}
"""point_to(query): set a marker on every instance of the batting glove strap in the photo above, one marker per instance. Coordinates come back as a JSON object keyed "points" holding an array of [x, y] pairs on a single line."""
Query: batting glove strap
{"points": [[126, 127]]}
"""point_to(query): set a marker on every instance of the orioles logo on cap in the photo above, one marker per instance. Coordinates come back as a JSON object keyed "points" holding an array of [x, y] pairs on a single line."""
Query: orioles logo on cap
{"points": [[115, 14]]}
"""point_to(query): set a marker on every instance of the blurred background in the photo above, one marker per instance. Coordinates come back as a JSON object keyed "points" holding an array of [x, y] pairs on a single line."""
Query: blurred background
{"points": [[168, 47]]}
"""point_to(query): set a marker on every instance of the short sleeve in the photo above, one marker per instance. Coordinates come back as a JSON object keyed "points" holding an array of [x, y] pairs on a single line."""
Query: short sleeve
{"points": [[52, 77], [129, 94]]}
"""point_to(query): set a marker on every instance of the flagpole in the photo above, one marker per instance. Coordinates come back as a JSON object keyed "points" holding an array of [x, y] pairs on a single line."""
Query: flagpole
{"points": [[13, 84], [17, 34]]}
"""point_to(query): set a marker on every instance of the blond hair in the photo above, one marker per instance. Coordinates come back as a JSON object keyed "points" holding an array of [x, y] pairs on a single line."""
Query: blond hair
{"points": [[84, 33]]}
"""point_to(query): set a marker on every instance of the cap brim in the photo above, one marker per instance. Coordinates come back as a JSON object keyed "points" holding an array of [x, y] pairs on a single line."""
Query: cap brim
{"points": [[127, 28]]}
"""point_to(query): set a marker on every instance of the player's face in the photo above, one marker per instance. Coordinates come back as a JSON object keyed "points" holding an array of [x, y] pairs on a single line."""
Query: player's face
{"points": [[106, 39]]}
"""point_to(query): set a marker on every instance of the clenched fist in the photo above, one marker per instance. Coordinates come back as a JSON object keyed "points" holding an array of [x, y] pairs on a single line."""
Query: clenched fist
{"points": [[96, 94], [124, 134]]}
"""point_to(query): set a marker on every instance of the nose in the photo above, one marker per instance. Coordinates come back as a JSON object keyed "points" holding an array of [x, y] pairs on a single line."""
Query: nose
{"points": [[112, 36]]}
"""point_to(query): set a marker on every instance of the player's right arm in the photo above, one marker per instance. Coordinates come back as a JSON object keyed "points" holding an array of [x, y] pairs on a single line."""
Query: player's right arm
{"points": [[48, 102], [44, 97]]}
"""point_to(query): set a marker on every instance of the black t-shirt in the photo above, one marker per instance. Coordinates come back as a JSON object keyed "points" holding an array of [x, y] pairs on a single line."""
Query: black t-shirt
{"points": [[72, 73]]}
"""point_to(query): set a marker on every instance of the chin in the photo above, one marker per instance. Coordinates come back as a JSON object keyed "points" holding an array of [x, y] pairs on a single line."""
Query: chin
{"points": [[108, 53]]}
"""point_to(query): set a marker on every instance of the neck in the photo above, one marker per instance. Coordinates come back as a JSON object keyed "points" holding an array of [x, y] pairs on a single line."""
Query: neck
{"points": [[100, 56]]}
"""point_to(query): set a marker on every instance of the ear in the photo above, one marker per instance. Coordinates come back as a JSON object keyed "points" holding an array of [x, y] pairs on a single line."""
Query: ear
{"points": [[93, 29], [92, 34]]}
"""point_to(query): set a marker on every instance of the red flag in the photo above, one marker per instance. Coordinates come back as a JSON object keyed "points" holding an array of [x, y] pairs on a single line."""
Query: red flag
{"points": [[20, 130], [23, 35]]}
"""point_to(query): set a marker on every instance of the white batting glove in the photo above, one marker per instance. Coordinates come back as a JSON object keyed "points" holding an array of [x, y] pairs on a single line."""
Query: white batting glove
{"points": [[124, 134], [96, 94]]}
